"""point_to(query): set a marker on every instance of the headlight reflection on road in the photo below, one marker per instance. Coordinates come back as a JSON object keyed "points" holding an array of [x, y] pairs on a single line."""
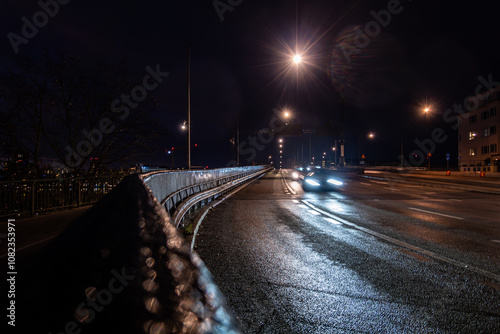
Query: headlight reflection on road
{"points": [[335, 182], [335, 206], [312, 182]]}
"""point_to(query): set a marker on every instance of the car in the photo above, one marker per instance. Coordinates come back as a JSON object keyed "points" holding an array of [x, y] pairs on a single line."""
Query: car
{"points": [[321, 179]]}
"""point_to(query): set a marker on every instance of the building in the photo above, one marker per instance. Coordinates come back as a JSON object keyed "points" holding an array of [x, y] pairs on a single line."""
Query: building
{"points": [[478, 134]]}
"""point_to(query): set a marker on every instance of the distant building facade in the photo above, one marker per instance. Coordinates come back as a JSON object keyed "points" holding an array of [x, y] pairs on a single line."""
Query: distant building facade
{"points": [[478, 134]]}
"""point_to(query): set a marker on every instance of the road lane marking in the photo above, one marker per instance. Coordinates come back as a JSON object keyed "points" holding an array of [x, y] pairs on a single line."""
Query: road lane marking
{"points": [[366, 184], [333, 221], [456, 200], [393, 189], [497, 241], [287, 185], [314, 212], [436, 213], [295, 201], [433, 255], [380, 182]]}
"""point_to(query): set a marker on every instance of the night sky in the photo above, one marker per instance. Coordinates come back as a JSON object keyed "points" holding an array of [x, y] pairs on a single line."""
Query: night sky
{"points": [[427, 53]]}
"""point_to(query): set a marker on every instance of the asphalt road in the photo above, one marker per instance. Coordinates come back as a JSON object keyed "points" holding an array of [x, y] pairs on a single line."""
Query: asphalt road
{"points": [[376, 257]]}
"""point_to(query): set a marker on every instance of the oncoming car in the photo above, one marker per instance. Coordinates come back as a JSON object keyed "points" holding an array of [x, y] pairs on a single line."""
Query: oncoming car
{"points": [[321, 179]]}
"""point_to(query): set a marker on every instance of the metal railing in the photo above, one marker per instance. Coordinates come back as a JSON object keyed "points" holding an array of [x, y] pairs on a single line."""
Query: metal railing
{"points": [[29, 197], [203, 183], [171, 188]]}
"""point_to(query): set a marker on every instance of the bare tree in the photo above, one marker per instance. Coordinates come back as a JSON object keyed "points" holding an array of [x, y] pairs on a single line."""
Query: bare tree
{"points": [[61, 109]]}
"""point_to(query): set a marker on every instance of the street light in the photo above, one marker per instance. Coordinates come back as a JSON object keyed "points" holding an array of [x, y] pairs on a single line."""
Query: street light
{"points": [[334, 149], [297, 59]]}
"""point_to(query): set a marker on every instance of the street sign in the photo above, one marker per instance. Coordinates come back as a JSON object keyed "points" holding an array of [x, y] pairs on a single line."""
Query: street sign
{"points": [[429, 155], [447, 156], [363, 157]]}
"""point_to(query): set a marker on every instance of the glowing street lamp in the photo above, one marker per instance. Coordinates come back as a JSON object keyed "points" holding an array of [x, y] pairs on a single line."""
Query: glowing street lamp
{"points": [[297, 59]]}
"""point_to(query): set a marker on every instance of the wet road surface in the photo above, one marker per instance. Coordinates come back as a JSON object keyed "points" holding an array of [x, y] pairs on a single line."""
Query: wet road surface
{"points": [[375, 257]]}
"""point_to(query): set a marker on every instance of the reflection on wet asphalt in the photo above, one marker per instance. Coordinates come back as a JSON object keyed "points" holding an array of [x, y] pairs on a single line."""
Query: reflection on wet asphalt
{"points": [[286, 267]]}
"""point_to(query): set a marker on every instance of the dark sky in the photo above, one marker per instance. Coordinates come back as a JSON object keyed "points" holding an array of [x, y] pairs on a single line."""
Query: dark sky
{"points": [[429, 52]]}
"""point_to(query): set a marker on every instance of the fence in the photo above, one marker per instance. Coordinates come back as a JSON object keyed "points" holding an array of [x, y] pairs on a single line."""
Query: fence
{"points": [[30, 197]]}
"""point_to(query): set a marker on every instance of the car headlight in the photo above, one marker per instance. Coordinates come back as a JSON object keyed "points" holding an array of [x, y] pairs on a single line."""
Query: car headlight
{"points": [[313, 182], [295, 175], [335, 182]]}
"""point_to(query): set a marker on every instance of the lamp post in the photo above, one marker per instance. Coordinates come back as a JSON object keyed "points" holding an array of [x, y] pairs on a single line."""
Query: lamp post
{"points": [[335, 150], [188, 123]]}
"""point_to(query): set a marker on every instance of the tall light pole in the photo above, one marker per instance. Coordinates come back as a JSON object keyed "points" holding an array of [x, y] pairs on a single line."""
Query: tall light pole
{"points": [[188, 125], [335, 150], [426, 111]]}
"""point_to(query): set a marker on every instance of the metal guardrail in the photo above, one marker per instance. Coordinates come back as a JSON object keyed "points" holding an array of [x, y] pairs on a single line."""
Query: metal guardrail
{"points": [[29, 197], [220, 180], [211, 194], [164, 184]]}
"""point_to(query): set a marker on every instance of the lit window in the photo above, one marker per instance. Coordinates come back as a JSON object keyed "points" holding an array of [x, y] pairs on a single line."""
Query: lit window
{"points": [[472, 151], [472, 135], [486, 132]]}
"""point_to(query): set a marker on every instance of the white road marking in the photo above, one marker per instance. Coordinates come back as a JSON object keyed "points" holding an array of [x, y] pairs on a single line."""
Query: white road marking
{"points": [[497, 241], [314, 212], [436, 213], [380, 182], [285, 183], [456, 200], [366, 184], [295, 201], [333, 221], [393, 189], [430, 254]]}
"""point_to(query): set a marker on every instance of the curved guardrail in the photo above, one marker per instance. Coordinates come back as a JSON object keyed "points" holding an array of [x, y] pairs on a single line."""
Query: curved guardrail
{"points": [[222, 186]]}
